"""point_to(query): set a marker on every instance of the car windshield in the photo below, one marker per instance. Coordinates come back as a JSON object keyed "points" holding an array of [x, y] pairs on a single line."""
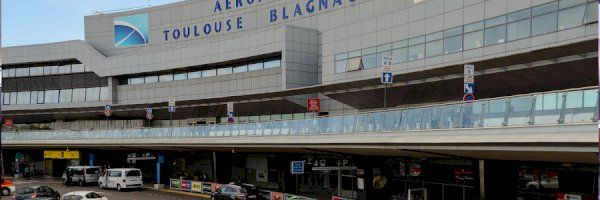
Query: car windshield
{"points": [[92, 171], [72, 197], [25, 191], [134, 173]]}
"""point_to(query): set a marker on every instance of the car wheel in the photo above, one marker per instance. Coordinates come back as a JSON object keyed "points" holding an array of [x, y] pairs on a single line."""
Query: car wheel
{"points": [[64, 181], [5, 192], [100, 185], [119, 188], [80, 183]]}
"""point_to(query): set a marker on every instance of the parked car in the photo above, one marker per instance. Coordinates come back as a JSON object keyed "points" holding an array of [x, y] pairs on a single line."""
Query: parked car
{"points": [[230, 192], [551, 183], [253, 192], [37, 192], [121, 179], [6, 187], [83, 195], [82, 175]]}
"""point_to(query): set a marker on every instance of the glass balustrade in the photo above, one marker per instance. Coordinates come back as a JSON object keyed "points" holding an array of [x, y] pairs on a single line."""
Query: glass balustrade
{"points": [[563, 107]]}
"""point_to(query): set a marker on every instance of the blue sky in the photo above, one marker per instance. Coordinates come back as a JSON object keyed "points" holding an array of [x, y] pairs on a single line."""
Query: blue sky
{"points": [[26, 22]]}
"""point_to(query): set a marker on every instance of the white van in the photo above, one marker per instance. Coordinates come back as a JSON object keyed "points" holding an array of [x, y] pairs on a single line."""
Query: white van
{"points": [[121, 179], [82, 175]]}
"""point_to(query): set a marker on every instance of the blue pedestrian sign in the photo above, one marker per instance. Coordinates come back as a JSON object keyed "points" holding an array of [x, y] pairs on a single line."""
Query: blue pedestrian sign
{"points": [[469, 88], [171, 108], [387, 78], [148, 110], [107, 107], [297, 167]]}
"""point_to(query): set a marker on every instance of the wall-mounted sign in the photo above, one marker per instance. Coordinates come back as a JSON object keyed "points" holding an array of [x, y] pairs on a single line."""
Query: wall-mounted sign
{"points": [[313, 104], [57, 154], [131, 30]]}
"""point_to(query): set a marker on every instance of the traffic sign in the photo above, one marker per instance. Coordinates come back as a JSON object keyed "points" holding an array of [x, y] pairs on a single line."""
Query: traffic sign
{"points": [[107, 113], [387, 60], [469, 70], [148, 110], [230, 118], [297, 167], [172, 101], [468, 97], [313, 104], [387, 78], [229, 107], [149, 116], [107, 107], [171, 109], [469, 88]]}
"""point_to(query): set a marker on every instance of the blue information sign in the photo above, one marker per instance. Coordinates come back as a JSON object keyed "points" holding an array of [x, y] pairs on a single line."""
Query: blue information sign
{"points": [[387, 78], [297, 167]]}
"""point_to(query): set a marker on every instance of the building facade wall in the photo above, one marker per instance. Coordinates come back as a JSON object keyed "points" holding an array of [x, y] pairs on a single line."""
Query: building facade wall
{"points": [[308, 42]]}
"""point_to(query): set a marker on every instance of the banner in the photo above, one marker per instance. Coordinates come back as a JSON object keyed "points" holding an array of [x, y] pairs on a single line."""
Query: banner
{"points": [[206, 187], [176, 184], [57, 154], [196, 186], [186, 185], [276, 196], [214, 187]]}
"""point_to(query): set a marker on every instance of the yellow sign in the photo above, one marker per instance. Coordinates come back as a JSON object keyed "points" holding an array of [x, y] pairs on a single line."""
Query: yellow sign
{"points": [[57, 154], [196, 186]]}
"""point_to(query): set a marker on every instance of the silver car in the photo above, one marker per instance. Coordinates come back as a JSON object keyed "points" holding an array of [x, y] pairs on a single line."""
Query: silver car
{"points": [[82, 175]]}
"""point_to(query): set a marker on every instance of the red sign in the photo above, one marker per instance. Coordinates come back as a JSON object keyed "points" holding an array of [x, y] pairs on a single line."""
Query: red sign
{"points": [[313, 104], [276, 196], [8, 122]]}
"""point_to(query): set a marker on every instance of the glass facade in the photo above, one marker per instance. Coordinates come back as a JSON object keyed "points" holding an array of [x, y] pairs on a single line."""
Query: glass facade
{"points": [[535, 109], [92, 94], [176, 76], [539, 20], [43, 70]]}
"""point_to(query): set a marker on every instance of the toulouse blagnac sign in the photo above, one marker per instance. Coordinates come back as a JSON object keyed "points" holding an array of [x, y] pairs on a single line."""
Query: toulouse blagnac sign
{"points": [[301, 8], [133, 30]]}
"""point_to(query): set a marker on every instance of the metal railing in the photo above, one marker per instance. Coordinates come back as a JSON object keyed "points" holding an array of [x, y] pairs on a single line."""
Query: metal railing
{"points": [[551, 108]]}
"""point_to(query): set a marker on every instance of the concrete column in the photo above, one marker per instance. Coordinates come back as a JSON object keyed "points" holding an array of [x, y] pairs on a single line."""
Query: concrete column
{"points": [[481, 167]]}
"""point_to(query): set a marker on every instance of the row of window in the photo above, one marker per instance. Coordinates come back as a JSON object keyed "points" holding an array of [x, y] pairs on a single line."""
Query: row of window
{"points": [[267, 118], [56, 96], [43, 70], [543, 19], [243, 67]]}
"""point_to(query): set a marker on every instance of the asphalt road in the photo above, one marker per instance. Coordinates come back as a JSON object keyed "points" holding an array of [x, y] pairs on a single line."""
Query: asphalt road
{"points": [[144, 194]]}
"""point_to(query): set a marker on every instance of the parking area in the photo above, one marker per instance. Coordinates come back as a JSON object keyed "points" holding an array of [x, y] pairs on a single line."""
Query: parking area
{"points": [[145, 194]]}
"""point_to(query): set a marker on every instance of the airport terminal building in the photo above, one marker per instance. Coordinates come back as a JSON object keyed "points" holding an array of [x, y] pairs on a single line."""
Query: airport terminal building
{"points": [[229, 88]]}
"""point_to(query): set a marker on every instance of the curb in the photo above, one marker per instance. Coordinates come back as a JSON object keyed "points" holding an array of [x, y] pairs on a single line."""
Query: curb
{"points": [[186, 193]]}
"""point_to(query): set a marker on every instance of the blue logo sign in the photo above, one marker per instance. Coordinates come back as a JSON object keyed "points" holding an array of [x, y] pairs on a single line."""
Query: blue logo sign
{"points": [[469, 88], [297, 167], [171, 108], [131, 30], [387, 78]]}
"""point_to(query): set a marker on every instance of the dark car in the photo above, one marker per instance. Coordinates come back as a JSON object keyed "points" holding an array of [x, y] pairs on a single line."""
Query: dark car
{"points": [[253, 192], [230, 192], [37, 192]]}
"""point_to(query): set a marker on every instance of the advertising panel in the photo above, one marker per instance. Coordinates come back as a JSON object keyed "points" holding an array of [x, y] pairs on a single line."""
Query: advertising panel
{"points": [[175, 184], [57, 154], [186, 185], [276, 196], [215, 186], [196, 186]]}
